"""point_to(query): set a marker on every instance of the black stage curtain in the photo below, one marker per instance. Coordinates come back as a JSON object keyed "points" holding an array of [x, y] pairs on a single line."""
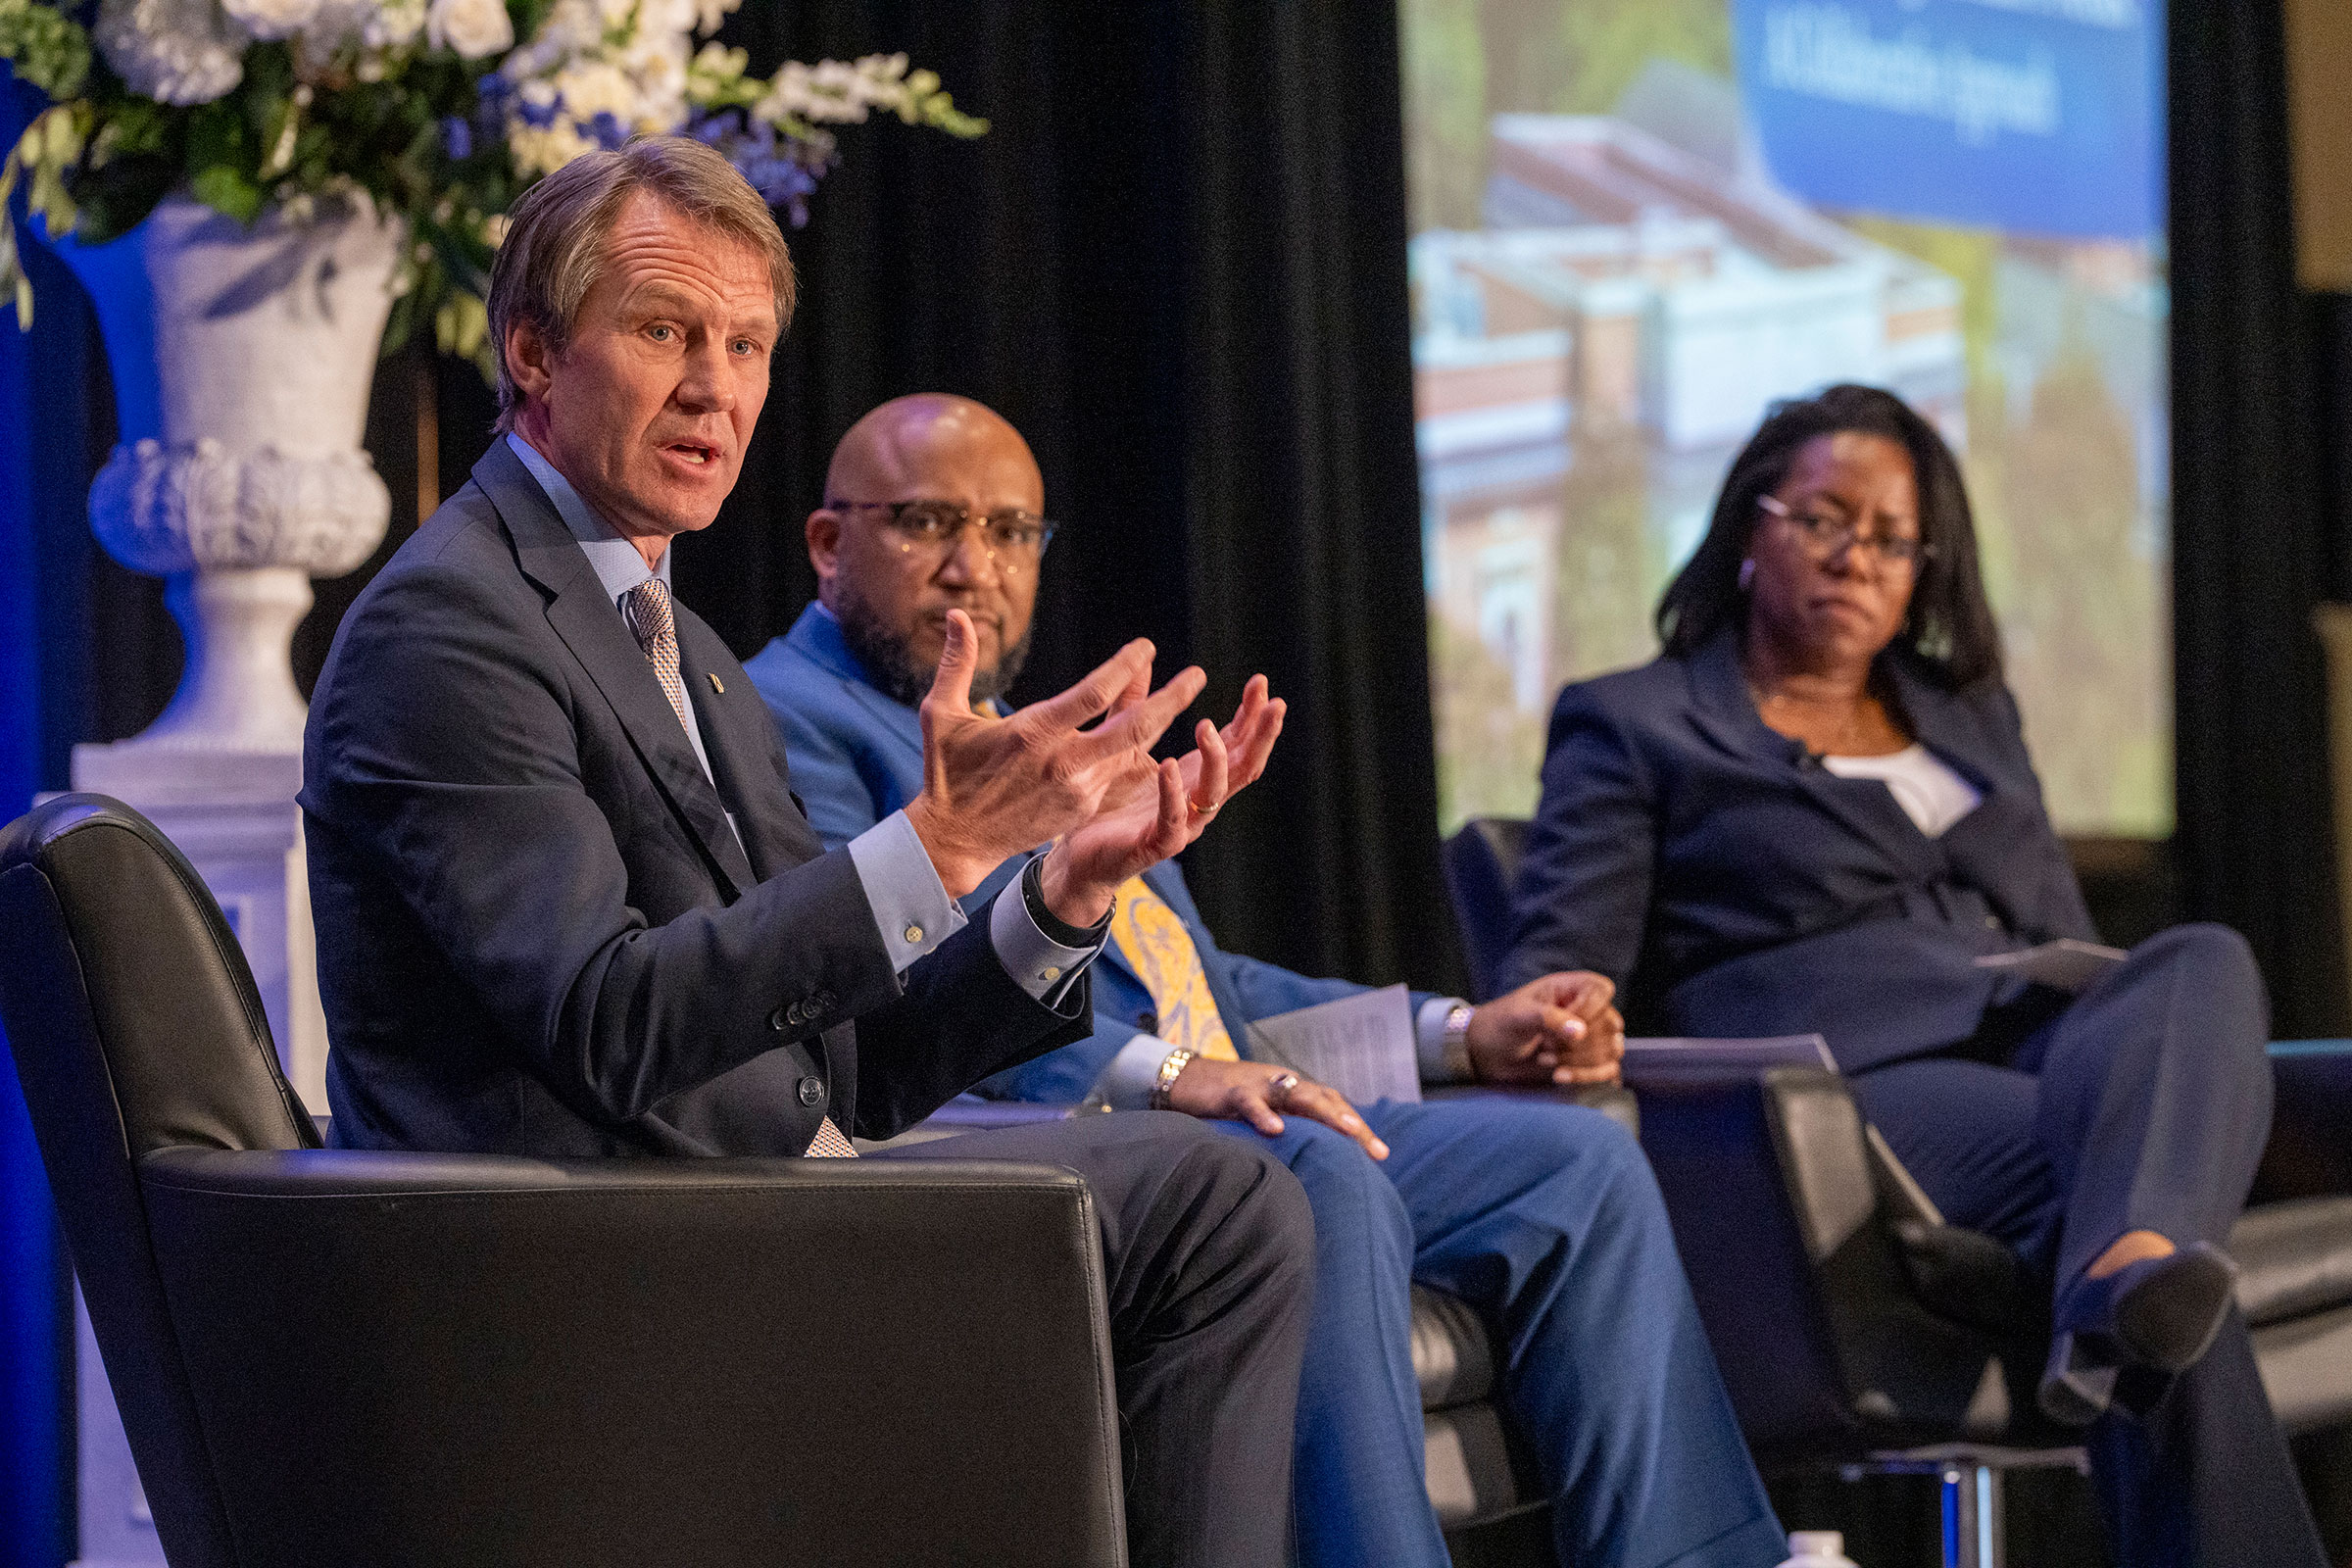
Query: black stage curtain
{"points": [[2253, 546]]}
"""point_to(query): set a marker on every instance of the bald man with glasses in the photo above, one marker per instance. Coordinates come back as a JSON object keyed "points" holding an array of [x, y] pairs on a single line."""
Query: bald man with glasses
{"points": [[1542, 1214]]}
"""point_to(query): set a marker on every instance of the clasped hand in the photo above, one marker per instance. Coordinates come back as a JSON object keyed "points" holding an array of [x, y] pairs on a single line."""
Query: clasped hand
{"points": [[996, 786], [1560, 1029]]}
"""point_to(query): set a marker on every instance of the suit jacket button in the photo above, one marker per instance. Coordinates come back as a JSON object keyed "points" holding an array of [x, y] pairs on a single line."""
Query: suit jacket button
{"points": [[1148, 1021], [812, 1091], [777, 1020]]}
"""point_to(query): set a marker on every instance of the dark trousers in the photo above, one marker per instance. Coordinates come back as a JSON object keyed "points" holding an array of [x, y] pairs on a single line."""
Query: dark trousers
{"points": [[2141, 1104], [1208, 1248]]}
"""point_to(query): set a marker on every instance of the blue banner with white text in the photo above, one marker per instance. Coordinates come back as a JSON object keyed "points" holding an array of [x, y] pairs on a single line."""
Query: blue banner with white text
{"points": [[2035, 117]]}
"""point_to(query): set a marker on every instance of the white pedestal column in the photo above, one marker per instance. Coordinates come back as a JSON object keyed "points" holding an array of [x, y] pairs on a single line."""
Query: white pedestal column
{"points": [[233, 815], [117, 1530]]}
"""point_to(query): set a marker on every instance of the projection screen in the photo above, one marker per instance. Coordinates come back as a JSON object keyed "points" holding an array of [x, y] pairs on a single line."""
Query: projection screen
{"points": [[1637, 222]]}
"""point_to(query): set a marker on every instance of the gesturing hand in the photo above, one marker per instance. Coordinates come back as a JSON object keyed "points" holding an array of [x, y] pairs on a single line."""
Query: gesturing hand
{"points": [[1162, 814], [1251, 1091], [1560, 1029], [993, 787]]}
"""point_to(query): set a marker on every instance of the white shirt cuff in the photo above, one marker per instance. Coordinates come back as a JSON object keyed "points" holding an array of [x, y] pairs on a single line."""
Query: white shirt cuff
{"points": [[1037, 963], [911, 904], [1126, 1084], [1429, 1038]]}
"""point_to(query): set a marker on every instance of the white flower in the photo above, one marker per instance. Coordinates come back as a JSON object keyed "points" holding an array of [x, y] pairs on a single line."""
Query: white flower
{"points": [[657, 63], [592, 88], [708, 14], [174, 51], [538, 151], [271, 19], [475, 28], [393, 23]]}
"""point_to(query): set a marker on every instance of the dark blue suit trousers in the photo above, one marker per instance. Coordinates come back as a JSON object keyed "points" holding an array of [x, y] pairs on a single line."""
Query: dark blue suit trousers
{"points": [[1731, 885]]}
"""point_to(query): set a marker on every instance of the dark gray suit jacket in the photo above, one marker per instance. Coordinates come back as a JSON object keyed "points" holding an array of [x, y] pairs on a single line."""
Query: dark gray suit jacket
{"points": [[1731, 885], [536, 934]]}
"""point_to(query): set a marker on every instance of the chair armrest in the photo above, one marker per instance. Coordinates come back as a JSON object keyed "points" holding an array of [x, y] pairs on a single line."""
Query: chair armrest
{"points": [[440, 1358], [1801, 1278], [2310, 1152]]}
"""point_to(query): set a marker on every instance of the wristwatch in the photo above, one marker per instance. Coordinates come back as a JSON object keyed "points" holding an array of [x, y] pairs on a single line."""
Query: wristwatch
{"points": [[1455, 1043], [1171, 1066]]}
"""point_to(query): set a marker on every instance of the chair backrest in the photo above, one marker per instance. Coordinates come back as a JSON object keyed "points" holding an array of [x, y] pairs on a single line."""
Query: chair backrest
{"points": [[1480, 862], [135, 1026]]}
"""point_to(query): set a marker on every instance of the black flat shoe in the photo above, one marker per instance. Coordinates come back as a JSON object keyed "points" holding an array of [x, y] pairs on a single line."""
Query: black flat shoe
{"points": [[2156, 1315], [2161, 1312]]}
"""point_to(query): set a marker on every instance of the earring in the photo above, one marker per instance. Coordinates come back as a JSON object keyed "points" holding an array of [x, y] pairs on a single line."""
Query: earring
{"points": [[1747, 573]]}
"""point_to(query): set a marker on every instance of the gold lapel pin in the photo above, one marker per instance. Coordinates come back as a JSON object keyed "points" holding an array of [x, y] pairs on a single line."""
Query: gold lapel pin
{"points": [[714, 683]]}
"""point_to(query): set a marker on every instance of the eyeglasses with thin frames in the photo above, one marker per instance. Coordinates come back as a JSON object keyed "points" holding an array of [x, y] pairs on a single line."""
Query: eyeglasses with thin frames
{"points": [[1013, 539], [1823, 537]]}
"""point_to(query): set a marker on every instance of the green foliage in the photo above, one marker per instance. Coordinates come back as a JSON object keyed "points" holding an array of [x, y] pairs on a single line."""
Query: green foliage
{"points": [[1606, 43], [45, 47], [1445, 113], [1466, 61]]}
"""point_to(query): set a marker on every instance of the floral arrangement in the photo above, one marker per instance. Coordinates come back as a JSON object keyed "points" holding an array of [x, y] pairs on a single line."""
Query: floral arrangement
{"points": [[430, 108]]}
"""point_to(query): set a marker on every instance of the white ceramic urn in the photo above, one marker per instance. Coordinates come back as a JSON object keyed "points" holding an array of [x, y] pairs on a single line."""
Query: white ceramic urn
{"points": [[242, 359]]}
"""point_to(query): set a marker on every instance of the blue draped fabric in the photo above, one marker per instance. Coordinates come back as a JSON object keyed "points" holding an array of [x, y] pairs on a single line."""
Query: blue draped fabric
{"points": [[45, 560]]}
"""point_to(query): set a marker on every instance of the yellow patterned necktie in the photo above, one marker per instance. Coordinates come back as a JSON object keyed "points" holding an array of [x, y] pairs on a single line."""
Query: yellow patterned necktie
{"points": [[1151, 938], [656, 631]]}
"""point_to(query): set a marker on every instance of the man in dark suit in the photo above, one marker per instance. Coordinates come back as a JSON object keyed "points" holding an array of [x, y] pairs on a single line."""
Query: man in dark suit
{"points": [[566, 906], [1543, 1215]]}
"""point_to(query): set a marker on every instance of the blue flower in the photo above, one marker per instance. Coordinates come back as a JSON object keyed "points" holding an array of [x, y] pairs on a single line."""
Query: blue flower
{"points": [[458, 137], [539, 116], [713, 130], [607, 128]]}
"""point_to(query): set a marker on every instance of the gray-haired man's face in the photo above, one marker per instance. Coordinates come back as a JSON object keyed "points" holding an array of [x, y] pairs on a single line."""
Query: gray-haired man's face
{"points": [[648, 409]]}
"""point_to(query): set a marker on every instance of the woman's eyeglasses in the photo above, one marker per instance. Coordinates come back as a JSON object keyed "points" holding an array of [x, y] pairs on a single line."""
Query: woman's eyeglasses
{"points": [[1823, 537]]}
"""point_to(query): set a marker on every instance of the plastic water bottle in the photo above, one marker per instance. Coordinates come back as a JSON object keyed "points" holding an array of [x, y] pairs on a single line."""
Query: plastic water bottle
{"points": [[1817, 1549]]}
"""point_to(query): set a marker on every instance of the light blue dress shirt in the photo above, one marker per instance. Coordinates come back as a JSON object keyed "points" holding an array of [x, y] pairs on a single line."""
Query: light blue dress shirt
{"points": [[913, 913]]}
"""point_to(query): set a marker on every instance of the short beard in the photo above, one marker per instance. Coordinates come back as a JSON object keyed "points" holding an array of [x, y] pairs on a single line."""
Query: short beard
{"points": [[889, 661]]}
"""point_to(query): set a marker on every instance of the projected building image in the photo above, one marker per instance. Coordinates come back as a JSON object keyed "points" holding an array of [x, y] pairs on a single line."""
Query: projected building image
{"points": [[1635, 287]]}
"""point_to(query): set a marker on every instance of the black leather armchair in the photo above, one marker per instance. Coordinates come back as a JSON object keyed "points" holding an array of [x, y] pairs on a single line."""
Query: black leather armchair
{"points": [[336, 1357], [1853, 1326]]}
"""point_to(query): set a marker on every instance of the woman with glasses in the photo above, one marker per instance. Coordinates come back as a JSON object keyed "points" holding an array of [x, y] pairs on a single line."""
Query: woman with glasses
{"points": [[1816, 813]]}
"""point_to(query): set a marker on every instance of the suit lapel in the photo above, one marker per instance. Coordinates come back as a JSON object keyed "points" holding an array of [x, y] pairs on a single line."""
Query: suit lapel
{"points": [[738, 735], [592, 628], [1725, 712]]}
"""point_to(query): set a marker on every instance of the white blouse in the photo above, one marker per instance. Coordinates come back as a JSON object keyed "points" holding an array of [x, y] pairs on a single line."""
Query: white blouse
{"points": [[1923, 784]]}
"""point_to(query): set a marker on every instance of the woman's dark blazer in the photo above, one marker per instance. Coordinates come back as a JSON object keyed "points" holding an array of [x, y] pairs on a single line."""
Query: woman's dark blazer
{"points": [[1731, 885]]}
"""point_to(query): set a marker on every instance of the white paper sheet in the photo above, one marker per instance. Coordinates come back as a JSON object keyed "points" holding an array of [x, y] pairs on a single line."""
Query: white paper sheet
{"points": [[1361, 1046], [2065, 965]]}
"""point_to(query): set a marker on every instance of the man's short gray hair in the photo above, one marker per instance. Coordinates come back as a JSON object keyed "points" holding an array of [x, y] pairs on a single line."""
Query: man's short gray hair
{"points": [[555, 244]]}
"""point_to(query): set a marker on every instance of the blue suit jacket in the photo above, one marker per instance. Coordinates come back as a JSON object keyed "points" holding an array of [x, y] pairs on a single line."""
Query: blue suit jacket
{"points": [[1731, 885], [537, 933], [858, 756]]}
